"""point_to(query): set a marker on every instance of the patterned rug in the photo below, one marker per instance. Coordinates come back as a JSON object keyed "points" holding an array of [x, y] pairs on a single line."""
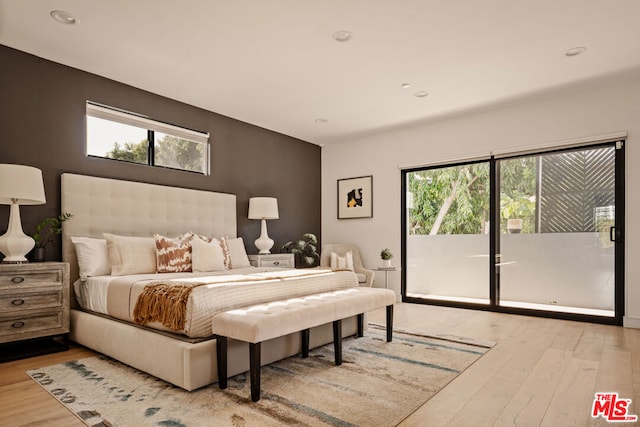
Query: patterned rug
{"points": [[379, 384]]}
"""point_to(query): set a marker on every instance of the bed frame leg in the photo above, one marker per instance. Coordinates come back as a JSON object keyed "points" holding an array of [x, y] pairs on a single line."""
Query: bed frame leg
{"points": [[254, 367], [360, 325], [389, 322], [221, 353], [337, 341], [305, 342]]}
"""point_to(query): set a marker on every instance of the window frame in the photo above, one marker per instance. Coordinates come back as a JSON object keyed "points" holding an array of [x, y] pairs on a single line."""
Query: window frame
{"points": [[116, 115]]}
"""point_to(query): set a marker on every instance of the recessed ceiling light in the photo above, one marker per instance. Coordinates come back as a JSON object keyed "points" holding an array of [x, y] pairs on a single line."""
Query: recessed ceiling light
{"points": [[321, 121], [421, 94], [63, 17], [575, 51], [342, 36], [405, 85]]}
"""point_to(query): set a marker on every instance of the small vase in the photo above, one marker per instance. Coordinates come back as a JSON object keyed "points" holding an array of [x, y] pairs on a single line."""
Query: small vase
{"points": [[38, 254], [386, 263]]}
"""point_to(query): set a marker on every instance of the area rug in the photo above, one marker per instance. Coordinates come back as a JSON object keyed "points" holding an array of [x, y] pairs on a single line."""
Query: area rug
{"points": [[378, 384]]}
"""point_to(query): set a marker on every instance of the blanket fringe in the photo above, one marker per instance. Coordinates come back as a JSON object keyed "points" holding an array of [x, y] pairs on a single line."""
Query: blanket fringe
{"points": [[163, 303]]}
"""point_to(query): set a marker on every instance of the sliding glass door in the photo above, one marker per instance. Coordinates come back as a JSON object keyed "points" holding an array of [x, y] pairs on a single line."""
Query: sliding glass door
{"points": [[447, 242], [536, 233], [556, 214]]}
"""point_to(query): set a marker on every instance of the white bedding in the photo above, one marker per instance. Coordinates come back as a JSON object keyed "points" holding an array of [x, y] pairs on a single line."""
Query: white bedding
{"points": [[116, 296]]}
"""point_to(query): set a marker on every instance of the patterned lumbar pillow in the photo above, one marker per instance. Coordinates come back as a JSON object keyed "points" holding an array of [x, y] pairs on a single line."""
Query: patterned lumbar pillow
{"points": [[173, 255]]}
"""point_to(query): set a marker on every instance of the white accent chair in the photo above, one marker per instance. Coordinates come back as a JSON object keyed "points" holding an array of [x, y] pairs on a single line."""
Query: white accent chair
{"points": [[365, 276]]}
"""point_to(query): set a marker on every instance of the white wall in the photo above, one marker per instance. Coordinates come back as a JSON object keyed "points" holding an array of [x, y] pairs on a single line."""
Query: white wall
{"points": [[573, 114]]}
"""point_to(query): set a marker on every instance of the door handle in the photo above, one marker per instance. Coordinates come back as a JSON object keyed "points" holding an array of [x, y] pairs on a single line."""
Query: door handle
{"points": [[615, 234]]}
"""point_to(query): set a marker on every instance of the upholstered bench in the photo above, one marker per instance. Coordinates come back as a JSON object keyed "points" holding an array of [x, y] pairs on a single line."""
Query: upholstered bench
{"points": [[262, 322]]}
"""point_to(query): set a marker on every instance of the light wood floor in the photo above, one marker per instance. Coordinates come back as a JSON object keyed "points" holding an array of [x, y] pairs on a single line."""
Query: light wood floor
{"points": [[541, 372]]}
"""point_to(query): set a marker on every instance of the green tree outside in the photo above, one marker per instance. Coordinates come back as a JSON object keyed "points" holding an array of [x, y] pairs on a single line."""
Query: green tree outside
{"points": [[170, 152], [179, 153], [455, 200], [452, 200], [518, 178], [129, 151]]}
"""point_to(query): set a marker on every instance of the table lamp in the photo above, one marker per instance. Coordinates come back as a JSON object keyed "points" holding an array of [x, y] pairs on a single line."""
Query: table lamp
{"points": [[19, 185], [263, 208]]}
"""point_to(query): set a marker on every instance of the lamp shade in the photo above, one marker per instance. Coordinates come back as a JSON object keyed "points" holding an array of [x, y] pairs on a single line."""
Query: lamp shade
{"points": [[263, 208], [23, 183]]}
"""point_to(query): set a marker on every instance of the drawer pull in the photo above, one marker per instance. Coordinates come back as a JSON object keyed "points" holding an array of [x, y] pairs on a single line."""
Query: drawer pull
{"points": [[276, 262], [17, 325], [17, 279], [18, 301]]}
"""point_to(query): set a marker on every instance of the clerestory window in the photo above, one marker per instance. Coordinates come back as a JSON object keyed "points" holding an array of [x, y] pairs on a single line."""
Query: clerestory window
{"points": [[121, 135]]}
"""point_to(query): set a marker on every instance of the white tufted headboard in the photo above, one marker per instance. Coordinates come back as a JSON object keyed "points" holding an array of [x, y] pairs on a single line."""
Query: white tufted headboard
{"points": [[101, 205]]}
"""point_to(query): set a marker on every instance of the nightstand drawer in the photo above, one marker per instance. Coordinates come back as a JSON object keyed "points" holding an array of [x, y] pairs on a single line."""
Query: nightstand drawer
{"points": [[279, 262], [29, 301], [272, 260], [17, 327], [29, 278]]}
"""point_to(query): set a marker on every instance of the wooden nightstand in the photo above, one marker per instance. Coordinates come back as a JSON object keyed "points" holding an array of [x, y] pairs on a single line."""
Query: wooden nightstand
{"points": [[34, 304], [273, 260]]}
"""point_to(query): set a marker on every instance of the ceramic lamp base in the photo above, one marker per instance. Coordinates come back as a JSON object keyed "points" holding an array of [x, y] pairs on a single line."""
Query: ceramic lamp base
{"points": [[14, 244], [264, 243]]}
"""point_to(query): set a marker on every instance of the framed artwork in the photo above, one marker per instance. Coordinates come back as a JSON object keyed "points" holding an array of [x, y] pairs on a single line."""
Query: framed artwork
{"points": [[355, 197]]}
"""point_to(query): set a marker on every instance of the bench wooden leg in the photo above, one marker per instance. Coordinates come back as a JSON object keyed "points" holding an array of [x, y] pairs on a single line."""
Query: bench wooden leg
{"points": [[254, 368], [389, 322], [337, 341], [360, 325], [221, 353], [305, 342]]}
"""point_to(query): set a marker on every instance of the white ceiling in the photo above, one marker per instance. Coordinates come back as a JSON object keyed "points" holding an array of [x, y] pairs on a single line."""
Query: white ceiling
{"points": [[273, 63]]}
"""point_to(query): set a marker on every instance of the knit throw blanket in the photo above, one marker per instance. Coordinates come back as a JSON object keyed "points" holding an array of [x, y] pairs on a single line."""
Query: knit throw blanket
{"points": [[166, 301]]}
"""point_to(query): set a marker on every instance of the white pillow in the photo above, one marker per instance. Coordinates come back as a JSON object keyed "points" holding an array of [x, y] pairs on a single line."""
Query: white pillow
{"points": [[206, 256], [131, 255], [92, 255], [237, 252], [342, 262]]}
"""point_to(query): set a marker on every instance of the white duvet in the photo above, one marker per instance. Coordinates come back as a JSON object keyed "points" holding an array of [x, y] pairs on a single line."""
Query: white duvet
{"points": [[116, 296]]}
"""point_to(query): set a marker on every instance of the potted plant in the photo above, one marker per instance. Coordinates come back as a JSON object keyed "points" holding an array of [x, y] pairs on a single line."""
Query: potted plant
{"points": [[304, 251], [518, 210], [46, 230], [386, 256]]}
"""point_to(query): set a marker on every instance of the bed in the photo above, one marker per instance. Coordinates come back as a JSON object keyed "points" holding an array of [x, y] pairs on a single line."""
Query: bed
{"points": [[106, 306]]}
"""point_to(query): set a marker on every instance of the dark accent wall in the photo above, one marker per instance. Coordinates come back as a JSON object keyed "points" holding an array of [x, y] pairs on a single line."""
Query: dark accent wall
{"points": [[42, 124]]}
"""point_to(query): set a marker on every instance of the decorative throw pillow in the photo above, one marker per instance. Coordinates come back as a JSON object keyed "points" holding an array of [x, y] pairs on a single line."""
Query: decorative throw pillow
{"points": [[92, 255], [207, 255], [236, 252], [131, 255], [225, 253], [342, 262], [173, 255]]}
